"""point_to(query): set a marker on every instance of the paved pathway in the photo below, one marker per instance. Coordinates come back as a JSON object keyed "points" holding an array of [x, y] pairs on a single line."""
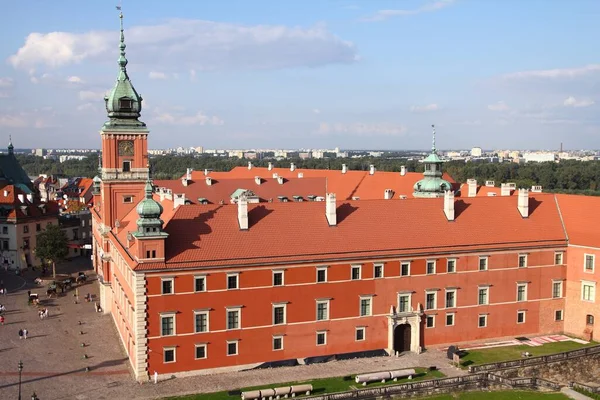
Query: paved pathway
{"points": [[573, 394]]}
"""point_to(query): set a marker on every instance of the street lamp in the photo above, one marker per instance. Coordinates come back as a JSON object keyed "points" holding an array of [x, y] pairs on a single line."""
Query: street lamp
{"points": [[20, 370]]}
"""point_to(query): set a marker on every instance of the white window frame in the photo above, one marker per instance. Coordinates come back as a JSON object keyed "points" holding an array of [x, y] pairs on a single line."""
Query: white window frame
{"points": [[204, 312], [324, 333], [562, 255], [592, 291], [352, 268], [128, 199], [364, 333], [485, 316], [276, 305], [231, 309], [375, 265], [370, 310], [237, 347], [453, 315], [487, 295], [237, 280], [280, 337], [585, 256], [486, 259], [434, 262], [168, 315], [427, 316], [409, 295], [407, 263], [278, 271], [327, 303], [324, 269], [525, 285], [519, 261], [560, 283], [519, 312], [562, 315], [169, 348], [196, 351], [428, 292], [455, 261], [172, 280], [446, 298], [196, 277]]}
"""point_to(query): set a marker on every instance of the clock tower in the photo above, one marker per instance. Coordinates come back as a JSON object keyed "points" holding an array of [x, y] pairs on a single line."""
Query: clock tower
{"points": [[124, 147]]}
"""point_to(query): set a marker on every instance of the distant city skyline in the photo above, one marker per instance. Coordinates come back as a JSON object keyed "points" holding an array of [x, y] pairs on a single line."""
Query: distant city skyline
{"points": [[371, 74]]}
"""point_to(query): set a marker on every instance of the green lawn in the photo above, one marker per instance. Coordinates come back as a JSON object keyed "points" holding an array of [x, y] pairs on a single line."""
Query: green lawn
{"points": [[503, 395], [506, 353], [320, 386]]}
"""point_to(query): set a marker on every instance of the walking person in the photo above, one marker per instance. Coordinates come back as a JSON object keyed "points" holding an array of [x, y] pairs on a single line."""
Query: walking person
{"points": [[2, 319], [20, 333], [25, 333]]}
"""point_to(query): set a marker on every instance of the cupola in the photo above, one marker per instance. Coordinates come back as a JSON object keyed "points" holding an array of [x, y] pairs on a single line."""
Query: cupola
{"points": [[149, 212], [432, 184]]}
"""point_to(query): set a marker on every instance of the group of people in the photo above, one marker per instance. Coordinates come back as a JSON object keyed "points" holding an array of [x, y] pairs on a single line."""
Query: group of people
{"points": [[23, 333]]}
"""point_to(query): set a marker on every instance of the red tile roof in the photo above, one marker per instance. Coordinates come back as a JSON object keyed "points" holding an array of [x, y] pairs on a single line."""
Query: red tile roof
{"points": [[581, 216], [206, 236], [12, 207]]}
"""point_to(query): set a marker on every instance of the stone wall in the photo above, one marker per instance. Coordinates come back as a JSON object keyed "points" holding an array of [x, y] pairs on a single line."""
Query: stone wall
{"points": [[581, 369]]}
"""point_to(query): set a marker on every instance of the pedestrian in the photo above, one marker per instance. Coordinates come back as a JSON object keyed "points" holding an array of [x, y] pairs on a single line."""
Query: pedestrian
{"points": [[45, 313], [2, 319], [20, 333], [1, 290], [28, 293], [155, 377], [25, 333]]}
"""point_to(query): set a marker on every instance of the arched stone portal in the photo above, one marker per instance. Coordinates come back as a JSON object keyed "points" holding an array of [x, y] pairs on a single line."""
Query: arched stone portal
{"points": [[404, 332], [402, 337]]}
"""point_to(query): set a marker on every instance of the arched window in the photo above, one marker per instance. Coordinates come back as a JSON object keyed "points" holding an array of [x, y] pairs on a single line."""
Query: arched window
{"points": [[589, 319]]}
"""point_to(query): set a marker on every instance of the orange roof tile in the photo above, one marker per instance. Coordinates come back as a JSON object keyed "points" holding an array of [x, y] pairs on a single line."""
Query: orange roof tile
{"points": [[581, 218]]}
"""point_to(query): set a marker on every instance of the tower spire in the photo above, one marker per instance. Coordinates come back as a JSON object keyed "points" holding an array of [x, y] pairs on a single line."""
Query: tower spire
{"points": [[433, 141], [122, 46], [10, 145]]}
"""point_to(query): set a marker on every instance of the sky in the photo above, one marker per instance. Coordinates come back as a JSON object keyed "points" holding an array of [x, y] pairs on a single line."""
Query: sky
{"points": [[354, 74]]}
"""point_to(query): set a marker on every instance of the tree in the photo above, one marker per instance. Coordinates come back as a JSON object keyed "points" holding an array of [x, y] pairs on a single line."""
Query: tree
{"points": [[52, 246]]}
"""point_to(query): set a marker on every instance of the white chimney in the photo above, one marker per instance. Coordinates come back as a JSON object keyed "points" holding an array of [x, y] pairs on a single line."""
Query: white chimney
{"points": [[275, 175], [344, 168], [208, 180], [184, 181], [472, 184], [292, 167], [257, 180], [388, 194], [188, 174], [243, 212], [371, 169], [330, 209], [270, 166], [449, 205], [280, 180], [300, 175], [249, 164], [505, 189], [523, 202], [402, 170], [206, 171], [179, 200], [536, 189]]}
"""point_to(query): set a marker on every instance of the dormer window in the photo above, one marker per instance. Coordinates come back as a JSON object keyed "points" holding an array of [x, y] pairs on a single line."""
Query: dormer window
{"points": [[125, 104]]}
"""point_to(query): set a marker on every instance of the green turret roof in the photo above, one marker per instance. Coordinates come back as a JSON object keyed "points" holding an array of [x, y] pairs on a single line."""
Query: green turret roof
{"points": [[432, 184], [149, 212]]}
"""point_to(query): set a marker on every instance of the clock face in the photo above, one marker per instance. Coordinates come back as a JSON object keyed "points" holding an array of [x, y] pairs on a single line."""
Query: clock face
{"points": [[126, 148]]}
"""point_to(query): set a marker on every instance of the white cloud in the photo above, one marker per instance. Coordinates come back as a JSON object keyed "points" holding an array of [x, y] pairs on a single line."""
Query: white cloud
{"points": [[88, 107], [178, 119], [6, 82], [38, 119], [429, 7], [428, 107], [361, 129], [499, 106], [157, 75], [556, 73], [572, 102], [196, 44], [74, 79], [91, 95], [316, 111], [193, 75]]}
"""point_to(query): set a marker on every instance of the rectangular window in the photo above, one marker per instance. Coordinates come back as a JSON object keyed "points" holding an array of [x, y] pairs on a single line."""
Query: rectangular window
{"points": [[167, 325], [321, 338], [279, 314], [404, 303], [321, 275], [25, 228], [482, 321], [483, 296], [201, 321], [359, 334], [169, 354], [356, 272], [201, 351], [322, 310], [200, 284], [38, 227], [558, 258], [365, 306], [557, 289], [588, 291], [5, 230], [451, 298], [277, 278], [558, 315], [232, 347], [430, 267], [483, 263], [520, 317], [522, 292], [430, 300], [167, 286], [450, 319], [233, 318], [232, 281], [378, 271], [589, 262], [5, 245], [589, 319], [522, 260], [126, 166], [430, 321], [405, 269], [451, 265], [127, 199], [277, 343]]}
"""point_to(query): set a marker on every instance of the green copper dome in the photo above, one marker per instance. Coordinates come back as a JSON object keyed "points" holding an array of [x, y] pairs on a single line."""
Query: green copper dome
{"points": [[432, 184], [149, 210]]}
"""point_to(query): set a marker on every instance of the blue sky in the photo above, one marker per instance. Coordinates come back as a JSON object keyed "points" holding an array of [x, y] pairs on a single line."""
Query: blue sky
{"points": [[308, 73]]}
